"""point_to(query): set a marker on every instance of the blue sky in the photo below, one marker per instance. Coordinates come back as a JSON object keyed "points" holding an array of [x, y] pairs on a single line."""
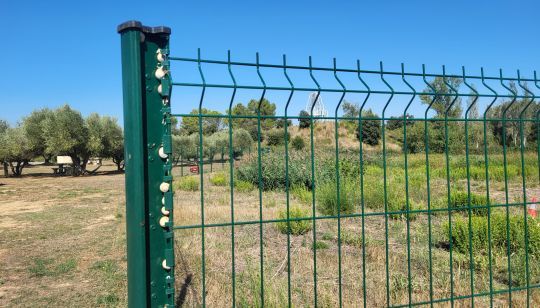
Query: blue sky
{"points": [[57, 52]]}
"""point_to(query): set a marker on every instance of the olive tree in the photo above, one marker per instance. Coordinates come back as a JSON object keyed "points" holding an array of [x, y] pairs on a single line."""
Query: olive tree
{"points": [[15, 150], [184, 147], [105, 138], [210, 124], [66, 133], [33, 127], [3, 127]]}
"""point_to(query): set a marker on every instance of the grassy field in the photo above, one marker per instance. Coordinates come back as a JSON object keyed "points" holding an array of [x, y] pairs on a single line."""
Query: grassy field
{"points": [[247, 211], [63, 238]]}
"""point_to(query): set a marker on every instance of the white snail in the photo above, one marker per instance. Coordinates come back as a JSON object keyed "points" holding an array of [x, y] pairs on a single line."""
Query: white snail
{"points": [[164, 265], [164, 187], [160, 56], [162, 153], [164, 211], [160, 72], [163, 221]]}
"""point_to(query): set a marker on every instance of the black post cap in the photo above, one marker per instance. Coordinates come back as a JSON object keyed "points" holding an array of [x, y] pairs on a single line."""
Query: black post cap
{"points": [[137, 25]]}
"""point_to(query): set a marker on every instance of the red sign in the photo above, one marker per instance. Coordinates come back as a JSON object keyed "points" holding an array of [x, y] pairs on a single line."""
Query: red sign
{"points": [[531, 208]]}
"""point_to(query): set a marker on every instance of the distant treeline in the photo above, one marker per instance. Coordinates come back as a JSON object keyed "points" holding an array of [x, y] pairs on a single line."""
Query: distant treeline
{"points": [[47, 133]]}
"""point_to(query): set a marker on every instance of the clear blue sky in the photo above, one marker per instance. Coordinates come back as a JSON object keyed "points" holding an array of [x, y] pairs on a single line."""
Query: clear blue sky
{"points": [[56, 52]]}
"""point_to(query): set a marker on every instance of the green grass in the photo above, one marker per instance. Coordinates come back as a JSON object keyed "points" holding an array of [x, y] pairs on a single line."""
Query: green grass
{"points": [[73, 193], [187, 183], [301, 193], [297, 227], [479, 234], [219, 179], [110, 274], [351, 239], [108, 300], [327, 198], [42, 267], [243, 186], [320, 245]]}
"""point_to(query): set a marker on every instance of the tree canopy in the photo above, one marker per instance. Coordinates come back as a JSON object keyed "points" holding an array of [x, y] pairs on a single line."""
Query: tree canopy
{"points": [[210, 125], [252, 109], [62, 131], [441, 102]]}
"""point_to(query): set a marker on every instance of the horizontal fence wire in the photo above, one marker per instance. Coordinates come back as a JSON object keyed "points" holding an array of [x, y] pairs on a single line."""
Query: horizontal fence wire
{"points": [[446, 218], [367, 118]]}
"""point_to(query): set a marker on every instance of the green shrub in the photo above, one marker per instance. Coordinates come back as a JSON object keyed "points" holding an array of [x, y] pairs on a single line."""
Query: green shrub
{"points": [[320, 245], [479, 234], [298, 143], [219, 179], [351, 239], [298, 227], [188, 183], [496, 173], [243, 186], [328, 201], [373, 194], [371, 129], [519, 270], [301, 193], [398, 204], [460, 199], [273, 169], [276, 137], [304, 119]]}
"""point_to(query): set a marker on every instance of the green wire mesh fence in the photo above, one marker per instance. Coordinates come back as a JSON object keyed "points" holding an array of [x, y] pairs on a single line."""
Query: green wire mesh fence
{"points": [[431, 202]]}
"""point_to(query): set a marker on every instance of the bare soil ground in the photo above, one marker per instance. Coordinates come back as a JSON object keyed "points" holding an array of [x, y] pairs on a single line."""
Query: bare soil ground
{"points": [[62, 240]]}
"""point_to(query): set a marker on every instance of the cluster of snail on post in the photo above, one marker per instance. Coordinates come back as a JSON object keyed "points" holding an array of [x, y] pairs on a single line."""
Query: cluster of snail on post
{"points": [[160, 73]]}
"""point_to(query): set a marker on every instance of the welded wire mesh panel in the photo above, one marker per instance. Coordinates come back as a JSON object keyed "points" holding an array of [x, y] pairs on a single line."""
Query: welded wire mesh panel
{"points": [[404, 188]]}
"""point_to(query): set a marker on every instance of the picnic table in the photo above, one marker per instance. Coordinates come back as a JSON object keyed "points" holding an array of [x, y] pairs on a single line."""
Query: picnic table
{"points": [[62, 170]]}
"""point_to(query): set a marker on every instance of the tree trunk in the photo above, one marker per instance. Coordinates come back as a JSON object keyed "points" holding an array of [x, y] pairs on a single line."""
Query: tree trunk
{"points": [[83, 163], [47, 159], [118, 162], [22, 166], [17, 169], [76, 165], [6, 170]]}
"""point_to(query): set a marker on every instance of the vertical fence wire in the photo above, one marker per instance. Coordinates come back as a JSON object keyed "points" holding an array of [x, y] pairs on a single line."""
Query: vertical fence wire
{"points": [[523, 183], [407, 205], [486, 163], [259, 165], [313, 183], [231, 178], [287, 182], [362, 204], [506, 197], [468, 171]]}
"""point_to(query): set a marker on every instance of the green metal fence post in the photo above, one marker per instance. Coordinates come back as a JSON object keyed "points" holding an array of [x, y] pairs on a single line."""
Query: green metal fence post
{"points": [[146, 87]]}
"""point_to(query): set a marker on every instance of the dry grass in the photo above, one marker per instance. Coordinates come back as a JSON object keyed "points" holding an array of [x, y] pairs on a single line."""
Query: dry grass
{"points": [[218, 255], [62, 240], [62, 243]]}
